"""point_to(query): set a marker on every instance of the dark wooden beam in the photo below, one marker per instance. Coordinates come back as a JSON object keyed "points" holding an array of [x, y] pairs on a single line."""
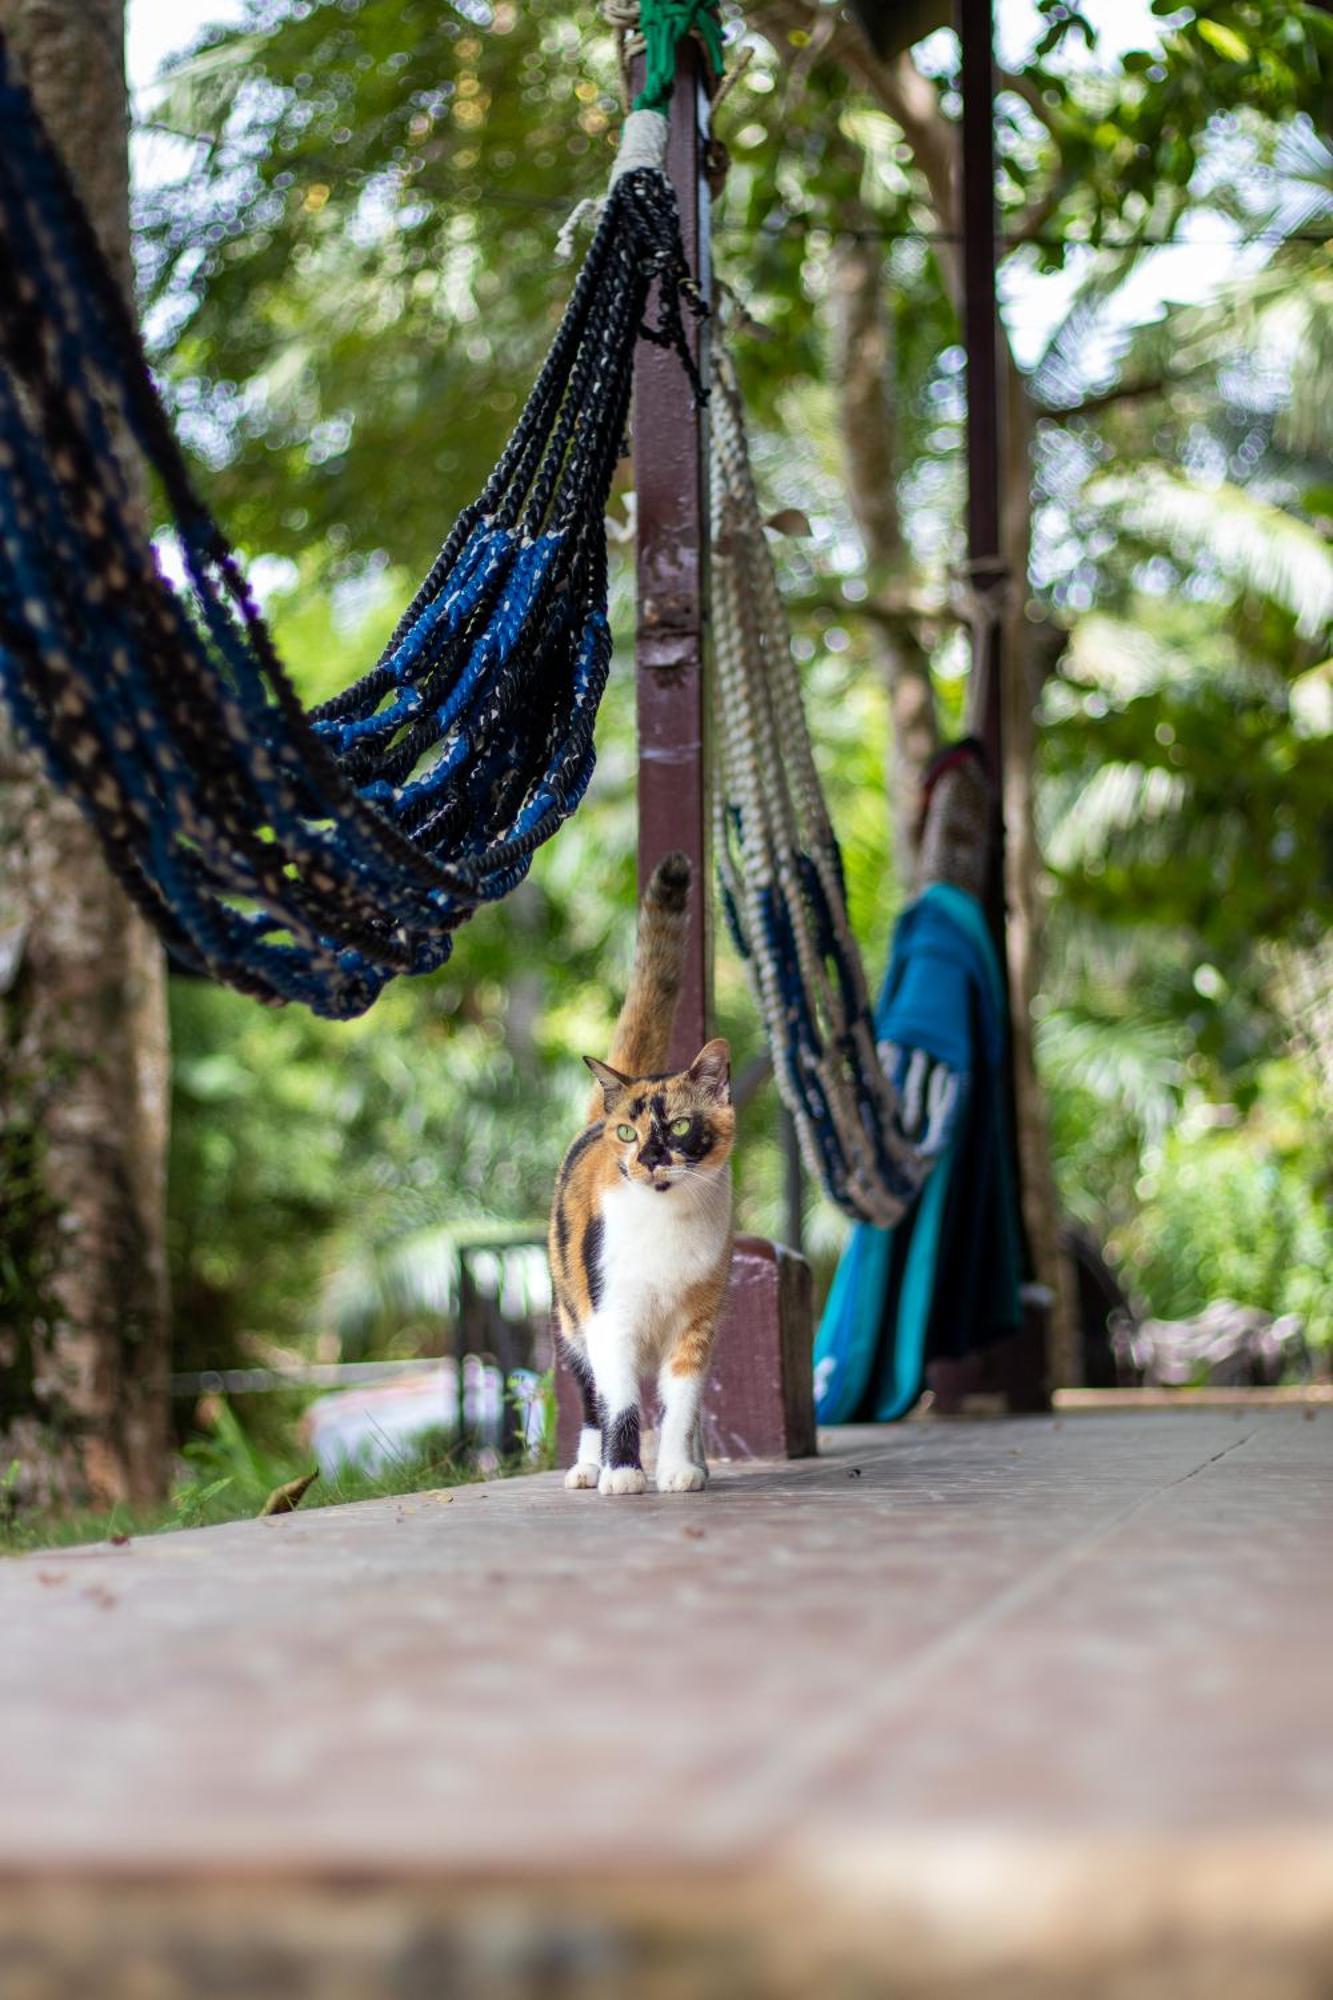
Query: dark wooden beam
{"points": [[1017, 1365], [759, 1401], [671, 480]]}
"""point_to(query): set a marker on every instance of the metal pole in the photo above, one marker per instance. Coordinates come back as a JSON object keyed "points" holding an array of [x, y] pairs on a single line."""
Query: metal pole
{"points": [[671, 479]]}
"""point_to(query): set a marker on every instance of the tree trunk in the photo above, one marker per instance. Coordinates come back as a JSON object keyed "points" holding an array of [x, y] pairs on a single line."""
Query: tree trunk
{"points": [[1024, 901], [83, 1035], [869, 441]]}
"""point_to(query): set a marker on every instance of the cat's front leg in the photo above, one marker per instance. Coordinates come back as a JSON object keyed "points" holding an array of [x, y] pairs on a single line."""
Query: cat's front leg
{"points": [[586, 1470], [681, 1467], [615, 1370]]}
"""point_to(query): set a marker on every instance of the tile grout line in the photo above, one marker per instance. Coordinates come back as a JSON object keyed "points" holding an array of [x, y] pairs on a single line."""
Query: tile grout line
{"points": [[842, 1734]]}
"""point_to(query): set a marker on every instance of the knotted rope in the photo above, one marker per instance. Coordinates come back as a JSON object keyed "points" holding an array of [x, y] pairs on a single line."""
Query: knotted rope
{"points": [[654, 29], [983, 594]]}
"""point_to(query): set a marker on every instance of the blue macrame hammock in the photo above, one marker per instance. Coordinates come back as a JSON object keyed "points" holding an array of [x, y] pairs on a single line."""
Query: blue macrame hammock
{"points": [[301, 856]]}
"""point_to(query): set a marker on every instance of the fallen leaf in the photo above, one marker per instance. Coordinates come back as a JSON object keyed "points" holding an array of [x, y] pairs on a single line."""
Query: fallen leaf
{"points": [[694, 1534], [286, 1499], [118, 1541], [50, 1576], [790, 521]]}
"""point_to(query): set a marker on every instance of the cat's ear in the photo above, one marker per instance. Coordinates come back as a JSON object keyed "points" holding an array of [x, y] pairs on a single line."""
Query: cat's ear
{"points": [[710, 1071], [612, 1082]]}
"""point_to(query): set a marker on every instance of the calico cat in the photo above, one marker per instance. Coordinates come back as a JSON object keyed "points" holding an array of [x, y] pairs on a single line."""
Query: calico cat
{"points": [[640, 1239]]}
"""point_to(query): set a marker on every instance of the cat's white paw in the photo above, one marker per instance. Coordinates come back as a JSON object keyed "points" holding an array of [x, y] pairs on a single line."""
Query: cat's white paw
{"points": [[685, 1478], [582, 1478], [621, 1479]]}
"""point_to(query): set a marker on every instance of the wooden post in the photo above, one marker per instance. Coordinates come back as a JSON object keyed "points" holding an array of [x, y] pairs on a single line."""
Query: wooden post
{"points": [[759, 1402], [671, 484]]}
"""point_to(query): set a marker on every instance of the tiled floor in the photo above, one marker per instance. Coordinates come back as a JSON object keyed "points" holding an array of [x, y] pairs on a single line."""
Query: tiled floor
{"points": [[909, 1672]]}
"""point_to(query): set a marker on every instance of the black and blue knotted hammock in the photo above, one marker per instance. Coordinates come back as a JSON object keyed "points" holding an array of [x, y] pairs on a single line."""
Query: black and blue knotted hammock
{"points": [[301, 855]]}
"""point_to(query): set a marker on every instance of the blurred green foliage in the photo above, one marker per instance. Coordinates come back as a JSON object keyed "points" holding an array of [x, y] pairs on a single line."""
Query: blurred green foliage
{"points": [[349, 288], [226, 1473], [1237, 1207]]}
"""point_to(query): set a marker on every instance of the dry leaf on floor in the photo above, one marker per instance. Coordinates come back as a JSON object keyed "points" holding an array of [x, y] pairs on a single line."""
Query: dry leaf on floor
{"points": [[286, 1499]]}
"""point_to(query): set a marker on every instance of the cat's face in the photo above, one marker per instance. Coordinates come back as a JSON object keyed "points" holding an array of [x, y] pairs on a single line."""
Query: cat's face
{"points": [[666, 1130]]}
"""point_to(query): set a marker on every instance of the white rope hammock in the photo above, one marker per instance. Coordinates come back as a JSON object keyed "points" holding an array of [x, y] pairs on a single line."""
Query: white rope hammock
{"points": [[872, 1120]]}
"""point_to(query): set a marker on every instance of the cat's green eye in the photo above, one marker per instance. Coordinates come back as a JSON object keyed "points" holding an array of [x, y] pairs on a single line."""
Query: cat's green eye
{"points": [[680, 1126], [627, 1133]]}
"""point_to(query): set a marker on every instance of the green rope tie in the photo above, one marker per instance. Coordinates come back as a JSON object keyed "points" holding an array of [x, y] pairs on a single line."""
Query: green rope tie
{"points": [[664, 25]]}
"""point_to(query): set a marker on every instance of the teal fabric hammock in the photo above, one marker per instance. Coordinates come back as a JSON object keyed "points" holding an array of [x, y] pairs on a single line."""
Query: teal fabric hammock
{"points": [[944, 1280], [310, 855]]}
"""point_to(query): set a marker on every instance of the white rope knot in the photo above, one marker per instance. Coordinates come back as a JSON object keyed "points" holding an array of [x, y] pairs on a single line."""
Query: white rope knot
{"points": [[590, 207], [643, 143], [983, 593]]}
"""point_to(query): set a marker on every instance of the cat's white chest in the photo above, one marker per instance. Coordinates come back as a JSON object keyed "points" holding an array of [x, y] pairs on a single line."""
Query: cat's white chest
{"points": [[655, 1247]]}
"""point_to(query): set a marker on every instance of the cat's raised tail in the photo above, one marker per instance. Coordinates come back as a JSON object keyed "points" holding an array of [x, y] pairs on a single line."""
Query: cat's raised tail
{"points": [[643, 1032]]}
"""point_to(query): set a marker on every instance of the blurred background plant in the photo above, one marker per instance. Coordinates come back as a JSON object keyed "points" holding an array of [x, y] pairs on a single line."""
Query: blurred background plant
{"points": [[349, 289], [344, 228]]}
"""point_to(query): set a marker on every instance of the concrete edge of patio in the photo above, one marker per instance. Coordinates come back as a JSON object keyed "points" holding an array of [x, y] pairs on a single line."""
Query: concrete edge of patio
{"points": [[1244, 1917]]}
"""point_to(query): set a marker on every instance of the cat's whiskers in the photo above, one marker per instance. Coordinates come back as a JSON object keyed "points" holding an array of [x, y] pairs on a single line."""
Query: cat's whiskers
{"points": [[705, 1188]]}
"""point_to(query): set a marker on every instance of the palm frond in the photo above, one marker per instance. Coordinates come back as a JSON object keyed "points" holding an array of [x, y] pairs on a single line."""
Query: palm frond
{"points": [[1090, 955], [1305, 423], [1081, 354], [1248, 540], [1133, 1065], [1303, 179], [1120, 657], [1117, 799], [1302, 991]]}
